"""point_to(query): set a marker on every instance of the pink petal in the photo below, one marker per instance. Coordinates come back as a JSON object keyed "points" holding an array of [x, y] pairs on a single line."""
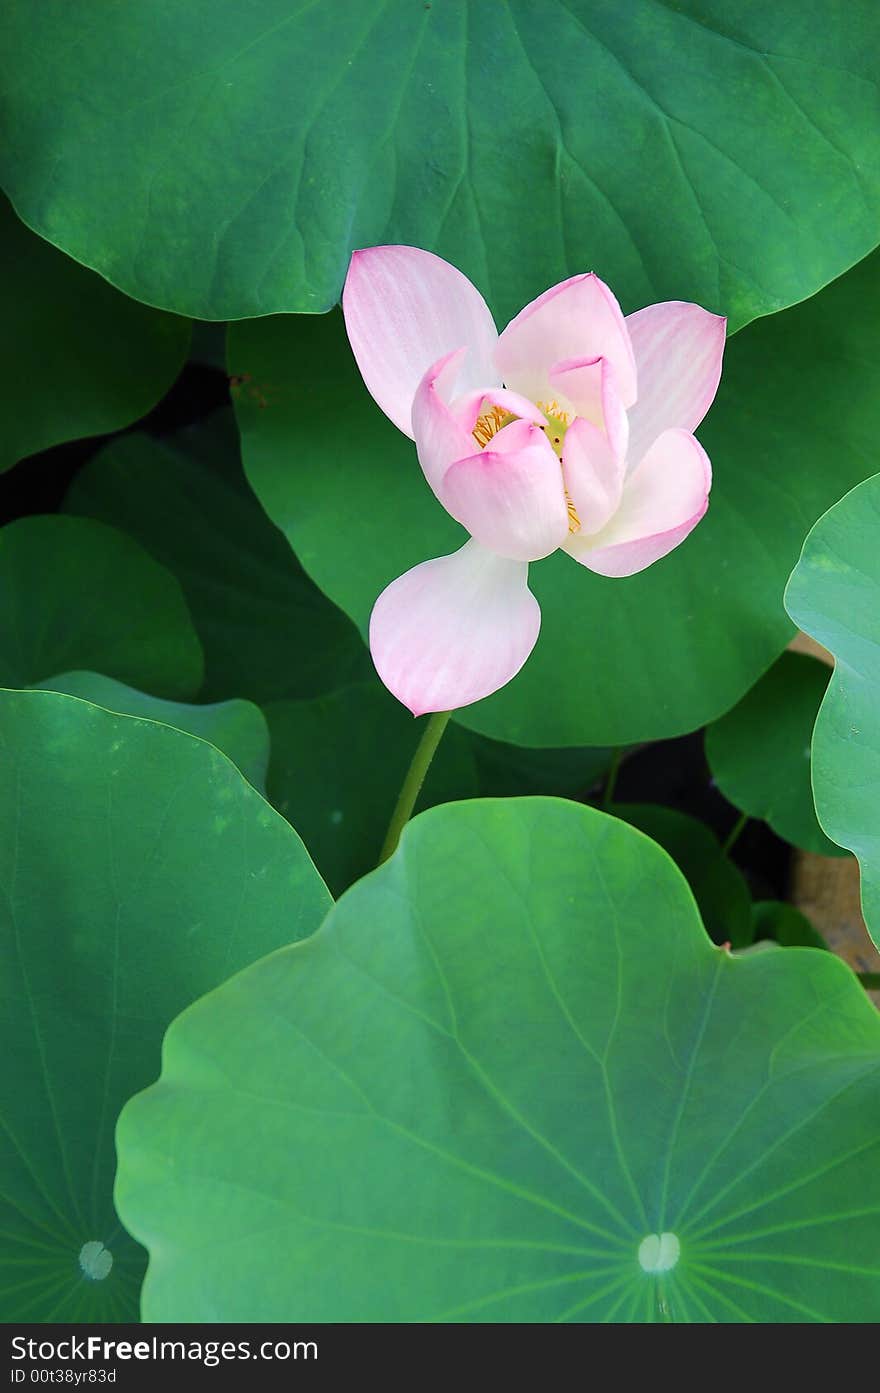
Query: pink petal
{"points": [[454, 630], [593, 474], [405, 308], [590, 387], [510, 496], [678, 350], [578, 383], [579, 319], [468, 408], [663, 500], [440, 436]]}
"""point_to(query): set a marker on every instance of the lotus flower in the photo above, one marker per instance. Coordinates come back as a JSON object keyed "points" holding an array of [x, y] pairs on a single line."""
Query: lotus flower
{"points": [[573, 428]]}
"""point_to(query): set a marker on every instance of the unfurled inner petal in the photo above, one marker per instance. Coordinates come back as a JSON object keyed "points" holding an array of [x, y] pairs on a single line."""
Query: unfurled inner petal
{"points": [[441, 437], [576, 320], [406, 308], [494, 402], [662, 501], [454, 630], [678, 349], [589, 387], [593, 476], [510, 496]]}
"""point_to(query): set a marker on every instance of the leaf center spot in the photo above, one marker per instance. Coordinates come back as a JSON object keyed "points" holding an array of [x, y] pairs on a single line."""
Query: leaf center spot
{"points": [[659, 1252], [95, 1260]]}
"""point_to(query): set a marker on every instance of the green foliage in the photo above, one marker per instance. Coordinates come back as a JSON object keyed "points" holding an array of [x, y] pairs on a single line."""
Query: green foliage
{"points": [[76, 357], [338, 762], [506, 1059], [267, 632], [834, 594], [759, 753], [508, 1076], [238, 728], [776, 922], [718, 888], [77, 594], [138, 871], [226, 164]]}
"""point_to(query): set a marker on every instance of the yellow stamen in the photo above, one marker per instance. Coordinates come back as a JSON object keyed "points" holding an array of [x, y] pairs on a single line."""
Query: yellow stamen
{"points": [[574, 522], [552, 408], [489, 424]]}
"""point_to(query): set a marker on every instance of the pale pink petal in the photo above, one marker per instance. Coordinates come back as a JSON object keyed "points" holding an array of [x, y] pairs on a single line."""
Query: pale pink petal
{"points": [[678, 348], [468, 408], [576, 384], [439, 434], [593, 474], [663, 500], [405, 308], [510, 496], [516, 435], [589, 387], [578, 319], [454, 630]]}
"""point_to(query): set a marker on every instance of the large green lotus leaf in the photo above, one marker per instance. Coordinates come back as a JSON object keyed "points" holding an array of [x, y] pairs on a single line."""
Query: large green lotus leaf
{"points": [[618, 661], [506, 1060], [267, 631], [77, 594], [834, 594], [238, 728], [338, 763], [76, 357], [225, 162], [759, 753], [138, 870], [717, 886]]}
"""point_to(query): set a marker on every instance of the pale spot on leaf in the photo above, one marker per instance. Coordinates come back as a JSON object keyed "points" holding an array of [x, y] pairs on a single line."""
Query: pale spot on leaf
{"points": [[659, 1252], [95, 1260]]}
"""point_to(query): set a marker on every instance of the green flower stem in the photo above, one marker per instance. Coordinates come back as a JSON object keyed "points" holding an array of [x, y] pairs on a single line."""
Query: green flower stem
{"points": [[412, 784], [734, 834]]}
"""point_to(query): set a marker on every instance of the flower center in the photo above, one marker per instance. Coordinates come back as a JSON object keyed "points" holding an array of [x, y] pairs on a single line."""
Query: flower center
{"points": [[558, 422], [490, 422]]}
